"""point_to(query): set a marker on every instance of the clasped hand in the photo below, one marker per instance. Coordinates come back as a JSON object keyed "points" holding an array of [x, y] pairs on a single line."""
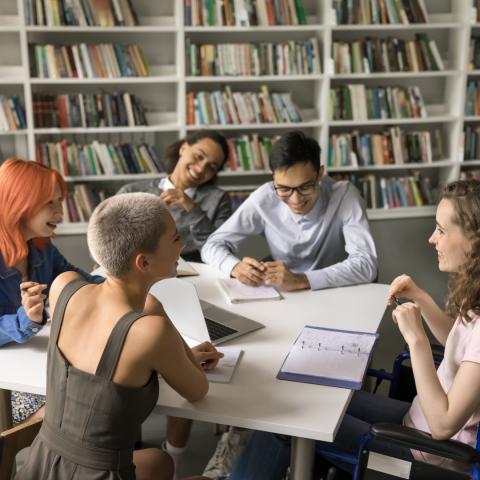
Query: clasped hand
{"points": [[33, 300], [407, 316], [175, 197], [276, 274]]}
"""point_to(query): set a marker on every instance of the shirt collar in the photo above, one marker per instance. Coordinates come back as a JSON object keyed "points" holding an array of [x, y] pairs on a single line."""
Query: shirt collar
{"points": [[166, 184], [35, 259]]}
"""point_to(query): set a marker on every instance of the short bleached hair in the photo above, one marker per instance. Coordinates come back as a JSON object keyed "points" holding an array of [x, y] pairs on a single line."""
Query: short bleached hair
{"points": [[123, 226]]}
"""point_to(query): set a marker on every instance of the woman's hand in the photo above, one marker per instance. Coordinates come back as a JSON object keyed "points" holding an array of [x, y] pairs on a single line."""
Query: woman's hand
{"points": [[409, 321], [404, 286], [207, 355], [33, 300], [175, 197]]}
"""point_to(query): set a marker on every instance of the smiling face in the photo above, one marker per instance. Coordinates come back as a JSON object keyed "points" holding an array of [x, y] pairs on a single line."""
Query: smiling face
{"points": [[449, 240], [197, 163], [45, 221], [298, 186]]}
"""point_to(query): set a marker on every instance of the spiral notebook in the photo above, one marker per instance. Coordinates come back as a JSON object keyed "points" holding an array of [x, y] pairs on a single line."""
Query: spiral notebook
{"points": [[324, 356]]}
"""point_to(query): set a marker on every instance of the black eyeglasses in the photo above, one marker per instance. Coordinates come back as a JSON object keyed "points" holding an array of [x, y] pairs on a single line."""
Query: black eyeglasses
{"points": [[304, 190]]}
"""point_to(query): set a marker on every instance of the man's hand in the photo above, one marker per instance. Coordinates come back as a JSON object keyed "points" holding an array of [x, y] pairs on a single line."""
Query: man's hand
{"points": [[279, 276], [207, 355], [33, 300], [249, 271], [177, 198]]}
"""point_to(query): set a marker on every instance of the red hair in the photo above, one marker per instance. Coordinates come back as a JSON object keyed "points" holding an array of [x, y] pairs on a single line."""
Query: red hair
{"points": [[25, 187]]}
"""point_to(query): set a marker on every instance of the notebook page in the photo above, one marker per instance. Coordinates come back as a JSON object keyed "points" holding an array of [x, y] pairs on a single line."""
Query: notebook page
{"points": [[329, 354], [223, 372], [239, 292]]}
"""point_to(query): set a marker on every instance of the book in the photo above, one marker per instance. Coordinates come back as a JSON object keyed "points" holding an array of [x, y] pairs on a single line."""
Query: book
{"points": [[225, 369], [237, 292], [185, 269], [325, 356]]}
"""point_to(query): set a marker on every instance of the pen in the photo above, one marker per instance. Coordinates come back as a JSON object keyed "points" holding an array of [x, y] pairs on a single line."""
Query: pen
{"points": [[396, 301]]}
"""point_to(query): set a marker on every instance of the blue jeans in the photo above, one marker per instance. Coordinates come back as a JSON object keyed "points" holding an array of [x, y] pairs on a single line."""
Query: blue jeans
{"points": [[267, 455]]}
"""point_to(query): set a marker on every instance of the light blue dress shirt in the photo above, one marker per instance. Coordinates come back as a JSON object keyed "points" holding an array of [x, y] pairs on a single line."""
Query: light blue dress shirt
{"points": [[331, 244]]}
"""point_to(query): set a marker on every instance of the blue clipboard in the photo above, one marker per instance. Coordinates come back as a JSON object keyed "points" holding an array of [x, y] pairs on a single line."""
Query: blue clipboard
{"points": [[328, 381]]}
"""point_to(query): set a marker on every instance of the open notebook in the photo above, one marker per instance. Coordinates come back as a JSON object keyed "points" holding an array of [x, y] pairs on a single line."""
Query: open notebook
{"points": [[325, 356], [237, 292]]}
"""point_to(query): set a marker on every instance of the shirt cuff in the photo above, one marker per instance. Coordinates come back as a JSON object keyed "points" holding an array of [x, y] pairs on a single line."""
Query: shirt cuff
{"points": [[317, 279], [227, 265], [29, 328]]}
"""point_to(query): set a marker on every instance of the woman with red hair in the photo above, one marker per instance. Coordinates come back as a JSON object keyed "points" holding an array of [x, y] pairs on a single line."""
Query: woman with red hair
{"points": [[31, 198]]}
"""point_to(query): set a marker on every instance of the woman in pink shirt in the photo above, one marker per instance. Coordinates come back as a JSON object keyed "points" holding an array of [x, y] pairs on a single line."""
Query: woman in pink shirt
{"points": [[447, 404]]}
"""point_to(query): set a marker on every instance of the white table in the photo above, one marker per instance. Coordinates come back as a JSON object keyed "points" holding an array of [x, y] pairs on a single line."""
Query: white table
{"points": [[254, 399]]}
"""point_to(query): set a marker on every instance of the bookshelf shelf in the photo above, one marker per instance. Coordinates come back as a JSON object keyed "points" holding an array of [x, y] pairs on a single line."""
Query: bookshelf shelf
{"points": [[317, 28], [394, 75], [139, 129], [260, 78], [162, 37], [113, 178], [13, 132], [257, 126], [404, 166], [394, 213], [104, 81], [394, 121]]}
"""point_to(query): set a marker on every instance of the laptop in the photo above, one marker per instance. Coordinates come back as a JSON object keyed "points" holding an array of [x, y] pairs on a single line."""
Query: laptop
{"points": [[196, 320]]}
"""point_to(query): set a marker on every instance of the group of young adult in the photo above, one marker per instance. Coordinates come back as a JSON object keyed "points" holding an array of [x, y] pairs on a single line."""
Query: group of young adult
{"points": [[110, 338]]}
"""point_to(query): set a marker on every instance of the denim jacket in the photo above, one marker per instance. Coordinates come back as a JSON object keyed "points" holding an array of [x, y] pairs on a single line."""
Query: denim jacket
{"points": [[44, 266]]}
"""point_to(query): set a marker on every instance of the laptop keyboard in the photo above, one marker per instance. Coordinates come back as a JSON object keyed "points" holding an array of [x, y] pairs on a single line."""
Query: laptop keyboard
{"points": [[217, 330]]}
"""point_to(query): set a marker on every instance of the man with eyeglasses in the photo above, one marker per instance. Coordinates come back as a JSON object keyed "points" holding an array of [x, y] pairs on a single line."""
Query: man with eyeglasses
{"points": [[316, 229]]}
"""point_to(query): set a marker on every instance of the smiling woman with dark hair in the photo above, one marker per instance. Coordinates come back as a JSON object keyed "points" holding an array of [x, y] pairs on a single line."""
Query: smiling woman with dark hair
{"points": [[196, 204]]}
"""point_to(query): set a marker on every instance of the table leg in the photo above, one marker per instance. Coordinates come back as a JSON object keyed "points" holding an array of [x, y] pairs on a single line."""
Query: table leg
{"points": [[302, 458], [5, 410]]}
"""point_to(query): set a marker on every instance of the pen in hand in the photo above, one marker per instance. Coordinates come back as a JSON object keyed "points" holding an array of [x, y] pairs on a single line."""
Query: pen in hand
{"points": [[396, 301]]}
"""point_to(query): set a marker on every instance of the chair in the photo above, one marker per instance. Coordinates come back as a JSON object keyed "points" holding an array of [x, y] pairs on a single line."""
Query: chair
{"points": [[374, 466], [14, 440]]}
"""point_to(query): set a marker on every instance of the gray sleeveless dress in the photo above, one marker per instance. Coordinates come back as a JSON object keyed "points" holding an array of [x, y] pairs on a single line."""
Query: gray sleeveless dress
{"points": [[90, 422]]}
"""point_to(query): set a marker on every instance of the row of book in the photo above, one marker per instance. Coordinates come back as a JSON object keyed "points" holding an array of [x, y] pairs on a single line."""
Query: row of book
{"points": [[249, 153], [92, 13], [12, 114], [234, 59], [387, 55], [357, 102], [83, 60], [471, 143], [80, 202], [243, 13], [474, 53], [472, 98], [97, 158], [391, 147], [350, 12], [392, 192], [227, 107], [88, 110]]}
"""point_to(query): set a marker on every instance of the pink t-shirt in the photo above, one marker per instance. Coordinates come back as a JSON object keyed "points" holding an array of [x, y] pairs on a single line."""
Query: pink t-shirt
{"points": [[463, 345]]}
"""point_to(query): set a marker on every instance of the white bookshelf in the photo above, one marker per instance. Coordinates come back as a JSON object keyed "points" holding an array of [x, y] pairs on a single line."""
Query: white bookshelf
{"points": [[162, 35]]}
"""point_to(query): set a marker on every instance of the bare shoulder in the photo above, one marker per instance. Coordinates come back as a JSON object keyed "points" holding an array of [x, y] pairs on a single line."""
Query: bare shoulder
{"points": [[154, 332], [59, 284]]}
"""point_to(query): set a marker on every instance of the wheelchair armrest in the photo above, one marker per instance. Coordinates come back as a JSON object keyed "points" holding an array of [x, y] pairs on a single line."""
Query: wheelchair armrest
{"points": [[418, 440]]}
